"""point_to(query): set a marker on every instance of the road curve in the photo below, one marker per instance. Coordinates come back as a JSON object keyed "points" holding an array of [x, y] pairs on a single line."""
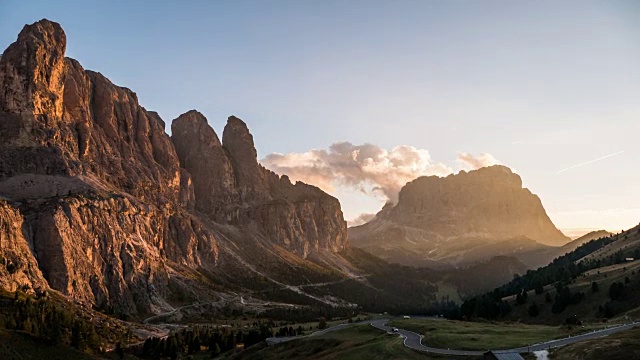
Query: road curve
{"points": [[413, 340]]}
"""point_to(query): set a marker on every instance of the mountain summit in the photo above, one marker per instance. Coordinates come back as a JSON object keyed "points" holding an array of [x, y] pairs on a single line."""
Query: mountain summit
{"points": [[460, 218]]}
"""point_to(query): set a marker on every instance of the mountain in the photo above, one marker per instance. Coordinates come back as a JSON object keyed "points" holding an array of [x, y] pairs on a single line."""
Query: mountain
{"points": [[100, 204], [459, 219]]}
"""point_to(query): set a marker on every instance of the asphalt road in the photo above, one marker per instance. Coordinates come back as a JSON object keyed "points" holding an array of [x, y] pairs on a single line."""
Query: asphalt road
{"points": [[573, 339], [414, 340]]}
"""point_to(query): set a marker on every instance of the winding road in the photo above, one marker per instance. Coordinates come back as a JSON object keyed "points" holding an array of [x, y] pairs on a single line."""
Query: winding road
{"points": [[414, 340]]}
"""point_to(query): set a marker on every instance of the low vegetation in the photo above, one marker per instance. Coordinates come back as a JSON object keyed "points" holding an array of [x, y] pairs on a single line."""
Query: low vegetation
{"points": [[621, 346], [465, 335], [202, 339], [358, 342], [53, 320], [47, 323]]}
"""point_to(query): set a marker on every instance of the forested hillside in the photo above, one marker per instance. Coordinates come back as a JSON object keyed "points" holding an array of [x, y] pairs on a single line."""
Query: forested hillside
{"points": [[597, 280]]}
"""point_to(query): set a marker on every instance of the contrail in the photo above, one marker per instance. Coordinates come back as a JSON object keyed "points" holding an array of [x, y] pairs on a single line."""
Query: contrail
{"points": [[590, 162]]}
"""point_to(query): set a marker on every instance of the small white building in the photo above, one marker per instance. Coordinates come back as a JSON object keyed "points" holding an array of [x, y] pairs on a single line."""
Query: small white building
{"points": [[629, 259]]}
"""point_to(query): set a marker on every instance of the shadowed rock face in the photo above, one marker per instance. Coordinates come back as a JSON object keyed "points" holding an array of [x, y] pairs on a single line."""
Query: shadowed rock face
{"points": [[238, 143], [203, 156], [97, 203], [454, 217], [232, 187]]}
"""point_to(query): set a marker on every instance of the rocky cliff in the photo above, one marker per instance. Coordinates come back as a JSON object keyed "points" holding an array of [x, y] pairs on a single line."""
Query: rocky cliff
{"points": [[460, 218], [18, 267], [103, 206], [232, 187]]}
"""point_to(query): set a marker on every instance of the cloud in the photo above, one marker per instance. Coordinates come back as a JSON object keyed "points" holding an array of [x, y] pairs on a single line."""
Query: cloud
{"points": [[361, 219], [367, 168], [471, 162]]}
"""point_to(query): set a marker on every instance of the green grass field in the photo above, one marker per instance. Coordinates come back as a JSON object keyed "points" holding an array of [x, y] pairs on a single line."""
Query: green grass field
{"points": [[621, 346], [482, 336], [361, 342]]}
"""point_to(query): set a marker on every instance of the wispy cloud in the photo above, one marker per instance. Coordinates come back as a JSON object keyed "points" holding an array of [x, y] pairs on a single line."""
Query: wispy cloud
{"points": [[590, 162]]}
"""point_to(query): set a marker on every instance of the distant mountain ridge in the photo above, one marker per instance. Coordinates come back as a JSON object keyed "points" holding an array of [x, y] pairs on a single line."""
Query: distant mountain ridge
{"points": [[462, 218]]}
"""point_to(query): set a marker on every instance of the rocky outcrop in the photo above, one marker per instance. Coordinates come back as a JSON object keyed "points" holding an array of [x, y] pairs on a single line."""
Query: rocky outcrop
{"points": [[232, 187], [444, 218], [18, 267], [202, 155], [119, 141], [32, 76], [105, 210], [32, 71], [238, 142]]}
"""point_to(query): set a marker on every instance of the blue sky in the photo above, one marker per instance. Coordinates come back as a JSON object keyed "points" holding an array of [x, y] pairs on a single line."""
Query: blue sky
{"points": [[541, 86]]}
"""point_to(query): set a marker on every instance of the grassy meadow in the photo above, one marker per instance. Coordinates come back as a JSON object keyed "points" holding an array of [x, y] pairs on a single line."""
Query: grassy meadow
{"points": [[481, 335]]}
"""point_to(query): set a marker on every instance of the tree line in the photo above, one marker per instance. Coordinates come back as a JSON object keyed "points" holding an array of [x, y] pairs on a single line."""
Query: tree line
{"points": [[202, 338], [561, 272], [46, 319]]}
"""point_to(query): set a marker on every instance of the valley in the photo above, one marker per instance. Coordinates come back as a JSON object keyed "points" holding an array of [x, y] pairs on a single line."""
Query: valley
{"points": [[123, 236]]}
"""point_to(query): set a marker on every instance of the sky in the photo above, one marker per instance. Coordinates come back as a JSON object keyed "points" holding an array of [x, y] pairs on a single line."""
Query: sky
{"points": [[389, 90]]}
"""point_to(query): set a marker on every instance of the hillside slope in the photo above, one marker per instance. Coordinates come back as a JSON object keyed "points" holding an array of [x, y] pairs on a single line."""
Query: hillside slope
{"points": [[597, 281]]}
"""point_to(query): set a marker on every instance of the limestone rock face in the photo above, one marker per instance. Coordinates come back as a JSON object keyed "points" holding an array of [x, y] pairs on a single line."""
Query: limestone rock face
{"points": [[18, 267], [232, 187], [112, 251], [119, 141], [438, 218], [32, 76], [32, 71]]}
